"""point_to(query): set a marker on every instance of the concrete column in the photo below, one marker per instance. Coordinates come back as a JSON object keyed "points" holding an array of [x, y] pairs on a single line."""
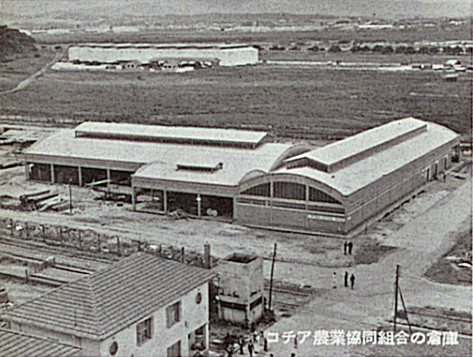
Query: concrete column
{"points": [[53, 179], [79, 174], [108, 174], [199, 200], [165, 201], [27, 171]]}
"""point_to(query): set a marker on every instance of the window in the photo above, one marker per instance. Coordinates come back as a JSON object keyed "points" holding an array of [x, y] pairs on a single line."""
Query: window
{"points": [[319, 196], [143, 331], [289, 190], [113, 348], [175, 350], [260, 190], [198, 298], [173, 314]]}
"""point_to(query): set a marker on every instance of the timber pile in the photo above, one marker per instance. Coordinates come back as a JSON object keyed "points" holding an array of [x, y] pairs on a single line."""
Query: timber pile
{"points": [[43, 200]]}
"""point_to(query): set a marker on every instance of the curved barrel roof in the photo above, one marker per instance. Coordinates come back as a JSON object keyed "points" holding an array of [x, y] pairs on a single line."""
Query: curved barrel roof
{"points": [[371, 154]]}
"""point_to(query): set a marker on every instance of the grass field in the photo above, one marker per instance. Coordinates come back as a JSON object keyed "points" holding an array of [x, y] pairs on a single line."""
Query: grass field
{"points": [[288, 101]]}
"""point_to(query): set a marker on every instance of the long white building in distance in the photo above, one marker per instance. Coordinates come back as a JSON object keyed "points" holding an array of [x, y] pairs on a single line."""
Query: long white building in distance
{"points": [[225, 54]]}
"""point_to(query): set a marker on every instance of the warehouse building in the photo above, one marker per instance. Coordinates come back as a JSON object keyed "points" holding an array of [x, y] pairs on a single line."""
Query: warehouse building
{"points": [[244, 177], [139, 306], [223, 54]]}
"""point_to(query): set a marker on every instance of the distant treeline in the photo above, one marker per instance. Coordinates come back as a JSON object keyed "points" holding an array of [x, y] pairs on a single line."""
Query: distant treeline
{"points": [[380, 49]]}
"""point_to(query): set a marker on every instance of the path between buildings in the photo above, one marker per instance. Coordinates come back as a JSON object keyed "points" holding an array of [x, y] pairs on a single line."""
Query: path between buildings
{"points": [[422, 242]]}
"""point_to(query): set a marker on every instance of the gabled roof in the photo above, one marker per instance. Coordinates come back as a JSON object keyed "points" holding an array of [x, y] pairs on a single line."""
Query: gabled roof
{"points": [[108, 301], [160, 160], [18, 344], [341, 153], [190, 135]]}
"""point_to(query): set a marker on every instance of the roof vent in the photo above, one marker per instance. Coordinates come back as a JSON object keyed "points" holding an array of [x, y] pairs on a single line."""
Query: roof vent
{"points": [[200, 167]]}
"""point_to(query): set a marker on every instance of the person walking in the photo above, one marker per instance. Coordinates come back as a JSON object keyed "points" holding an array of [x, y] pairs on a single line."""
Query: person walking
{"points": [[250, 348], [295, 342], [334, 280], [345, 246], [346, 279], [350, 247], [352, 281], [241, 343]]}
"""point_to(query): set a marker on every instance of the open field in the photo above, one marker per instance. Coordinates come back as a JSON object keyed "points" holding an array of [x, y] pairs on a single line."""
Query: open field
{"points": [[288, 101], [15, 71]]}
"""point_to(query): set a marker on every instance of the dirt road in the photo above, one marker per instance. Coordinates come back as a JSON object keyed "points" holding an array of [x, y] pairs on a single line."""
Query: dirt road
{"points": [[421, 243], [27, 81]]}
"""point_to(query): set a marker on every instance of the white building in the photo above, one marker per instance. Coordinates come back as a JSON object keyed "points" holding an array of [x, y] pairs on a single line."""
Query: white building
{"points": [[226, 55], [140, 306]]}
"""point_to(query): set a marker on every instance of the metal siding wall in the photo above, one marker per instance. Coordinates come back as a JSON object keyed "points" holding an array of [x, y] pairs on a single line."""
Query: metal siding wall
{"points": [[257, 215]]}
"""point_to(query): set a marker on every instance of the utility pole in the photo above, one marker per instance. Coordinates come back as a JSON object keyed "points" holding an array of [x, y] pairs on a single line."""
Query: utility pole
{"points": [[272, 273], [396, 289]]}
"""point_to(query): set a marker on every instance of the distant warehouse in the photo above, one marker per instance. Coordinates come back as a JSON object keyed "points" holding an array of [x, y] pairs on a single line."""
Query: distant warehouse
{"points": [[223, 54], [244, 177]]}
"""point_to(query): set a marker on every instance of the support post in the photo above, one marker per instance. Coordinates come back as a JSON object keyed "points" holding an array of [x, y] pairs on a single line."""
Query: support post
{"points": [[396, 287], [53, 179], [271, 280], [27, 171], [70, 198], [199, 207], [165, 201], [133, 199], [79, 174]]}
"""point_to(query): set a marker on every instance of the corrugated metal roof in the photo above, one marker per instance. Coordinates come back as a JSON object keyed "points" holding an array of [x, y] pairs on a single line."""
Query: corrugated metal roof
{"points": [[108, 301], [18, 344], [360, 174], [136, 131], [163, 158]]}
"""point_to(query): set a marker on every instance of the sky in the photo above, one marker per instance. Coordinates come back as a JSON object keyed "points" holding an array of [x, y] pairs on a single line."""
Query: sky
{"points": [[378, 8]]}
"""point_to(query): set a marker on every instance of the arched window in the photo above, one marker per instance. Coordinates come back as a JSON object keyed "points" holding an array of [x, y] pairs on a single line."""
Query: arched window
{"points": [[260, 190], [319, 196], [289, 190]]}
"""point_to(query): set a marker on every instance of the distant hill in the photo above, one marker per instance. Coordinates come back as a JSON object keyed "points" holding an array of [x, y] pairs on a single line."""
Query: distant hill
{"points": [[17, 10], [14, 43]]}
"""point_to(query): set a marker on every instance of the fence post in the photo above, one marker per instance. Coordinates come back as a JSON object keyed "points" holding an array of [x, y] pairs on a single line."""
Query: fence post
{"points": [[118, 245]]}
